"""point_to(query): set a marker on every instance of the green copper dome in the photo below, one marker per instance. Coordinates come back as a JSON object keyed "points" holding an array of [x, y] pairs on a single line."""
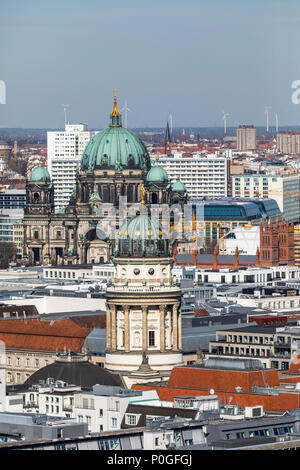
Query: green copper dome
{"points": [[178, 186], [142, 236], [157, 174], [39, 173], [115, 147]]}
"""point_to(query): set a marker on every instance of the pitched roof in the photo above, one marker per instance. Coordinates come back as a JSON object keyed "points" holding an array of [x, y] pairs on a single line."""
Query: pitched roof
{"points": [[218, 379], [40, 335]]}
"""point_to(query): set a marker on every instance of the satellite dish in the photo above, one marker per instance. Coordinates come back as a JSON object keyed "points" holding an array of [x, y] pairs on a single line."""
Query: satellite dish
{"points": [[212, 391]]}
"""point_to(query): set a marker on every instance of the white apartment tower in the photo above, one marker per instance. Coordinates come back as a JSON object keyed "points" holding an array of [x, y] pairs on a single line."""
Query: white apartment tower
{"points": [[65, 149], [204, 175]]}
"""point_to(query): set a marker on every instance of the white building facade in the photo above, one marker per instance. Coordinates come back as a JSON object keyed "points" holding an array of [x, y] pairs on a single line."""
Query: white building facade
{"points": [[65, 149], [204, 175]]}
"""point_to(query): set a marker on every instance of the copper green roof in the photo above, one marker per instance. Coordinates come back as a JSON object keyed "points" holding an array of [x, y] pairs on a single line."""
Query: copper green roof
{"points": [[142, 236], [178, 186], [115, 147], [95, 196], [157, 173], [39, 173]]}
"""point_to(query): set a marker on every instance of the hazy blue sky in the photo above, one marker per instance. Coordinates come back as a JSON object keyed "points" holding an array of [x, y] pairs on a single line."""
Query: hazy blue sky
{"points": [[191, 58]]}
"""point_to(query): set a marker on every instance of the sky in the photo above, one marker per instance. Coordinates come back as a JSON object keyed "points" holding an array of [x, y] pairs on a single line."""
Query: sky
{"points": [[191, 58]]}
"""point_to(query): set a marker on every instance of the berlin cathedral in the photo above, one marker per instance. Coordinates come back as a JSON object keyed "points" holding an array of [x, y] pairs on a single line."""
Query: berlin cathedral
{"points": [[115, 163]]}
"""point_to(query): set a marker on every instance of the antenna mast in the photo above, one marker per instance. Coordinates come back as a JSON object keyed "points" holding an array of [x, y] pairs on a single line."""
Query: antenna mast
{"points": [[66, 106]]}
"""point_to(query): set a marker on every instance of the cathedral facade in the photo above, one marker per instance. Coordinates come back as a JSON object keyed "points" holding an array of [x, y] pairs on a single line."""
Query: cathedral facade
{"points": [[114, 166]]}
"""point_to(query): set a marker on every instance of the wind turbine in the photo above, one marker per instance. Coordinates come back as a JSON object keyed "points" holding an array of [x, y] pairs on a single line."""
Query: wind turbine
{"points": [[225, 121], [267, 116], [66, 106], [126, 109], [276, 121]]}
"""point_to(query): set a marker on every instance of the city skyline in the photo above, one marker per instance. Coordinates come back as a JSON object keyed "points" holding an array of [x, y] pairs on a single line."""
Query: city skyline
{"points": [[193, 61]]}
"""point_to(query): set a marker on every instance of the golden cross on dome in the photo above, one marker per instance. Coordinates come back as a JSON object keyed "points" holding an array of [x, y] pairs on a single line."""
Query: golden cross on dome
{"points": [[115, 111]]}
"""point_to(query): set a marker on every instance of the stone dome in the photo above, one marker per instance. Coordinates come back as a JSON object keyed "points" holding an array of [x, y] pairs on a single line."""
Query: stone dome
{"points": [[84, 374], [39, 173], [142, 236], [157, 174], [116, 148]]}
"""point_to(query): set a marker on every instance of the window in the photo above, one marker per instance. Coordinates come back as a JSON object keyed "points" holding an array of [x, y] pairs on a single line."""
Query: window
{"points": [[114, 422], [152, 338], [131, 419], [100, 413]]}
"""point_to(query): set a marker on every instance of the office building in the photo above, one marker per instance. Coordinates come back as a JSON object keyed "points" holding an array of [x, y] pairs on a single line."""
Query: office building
{"points": [[13, 199], [285, 189]]}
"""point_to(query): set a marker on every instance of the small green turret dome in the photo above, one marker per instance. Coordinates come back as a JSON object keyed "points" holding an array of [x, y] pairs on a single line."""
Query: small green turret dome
{"points": [[178, 186], [39, 173], [142, 236], [95, 196], [157, 174], [115, 147]]}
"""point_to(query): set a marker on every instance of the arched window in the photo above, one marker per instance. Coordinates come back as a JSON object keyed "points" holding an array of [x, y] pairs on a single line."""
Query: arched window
{"points": [[36, 197]]}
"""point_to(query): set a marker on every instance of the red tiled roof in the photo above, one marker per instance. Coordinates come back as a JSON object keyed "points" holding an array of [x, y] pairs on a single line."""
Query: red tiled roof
{"points": [[201, 312], [35, 334], [281, 402], [218, 379]]}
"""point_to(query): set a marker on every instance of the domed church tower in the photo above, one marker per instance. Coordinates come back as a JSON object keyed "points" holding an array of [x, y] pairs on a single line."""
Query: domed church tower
{"points": [[39, 208], [143, 330], [114, 163]]}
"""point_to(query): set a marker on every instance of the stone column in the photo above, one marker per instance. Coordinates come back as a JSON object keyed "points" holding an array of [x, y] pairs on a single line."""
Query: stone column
{"points": [[113, 328], [127, 329], [108, 328], [145, 328], [175, 328], [162, 309], [179, 329]]}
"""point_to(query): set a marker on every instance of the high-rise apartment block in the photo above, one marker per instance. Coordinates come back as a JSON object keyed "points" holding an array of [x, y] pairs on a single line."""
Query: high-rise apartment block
{"points": [[64, 153], [203, 175], [246, 138], [288, 142]]}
